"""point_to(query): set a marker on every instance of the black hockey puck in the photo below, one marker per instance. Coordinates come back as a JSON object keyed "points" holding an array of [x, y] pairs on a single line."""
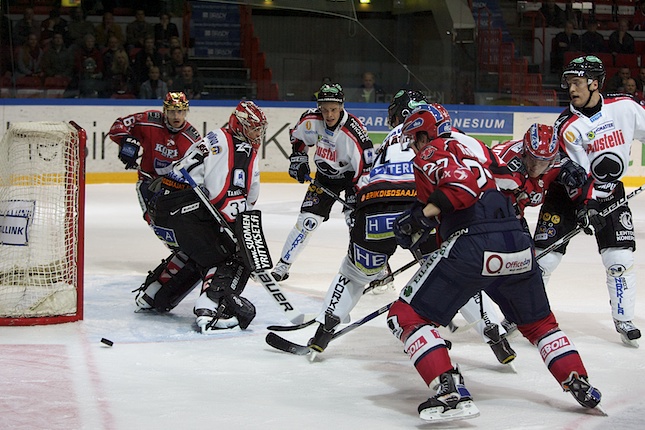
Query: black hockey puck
{"points": [[106, 342]]}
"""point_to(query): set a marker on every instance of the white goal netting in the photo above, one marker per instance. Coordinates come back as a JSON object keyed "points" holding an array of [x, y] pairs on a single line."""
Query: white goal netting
{"points": [[41, 193]]}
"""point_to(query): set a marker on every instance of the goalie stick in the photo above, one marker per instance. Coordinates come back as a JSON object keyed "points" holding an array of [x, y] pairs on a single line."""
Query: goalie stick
{"points": [[262, 275], [373, 284], [609, 209]]}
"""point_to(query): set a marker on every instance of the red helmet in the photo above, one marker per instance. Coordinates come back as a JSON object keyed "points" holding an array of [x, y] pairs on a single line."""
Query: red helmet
{"points": [[540, 142], [245, 119], [432, 119]]}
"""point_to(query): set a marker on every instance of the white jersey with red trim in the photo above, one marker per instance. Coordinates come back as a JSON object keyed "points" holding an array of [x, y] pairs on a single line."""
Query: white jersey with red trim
{"points": [[227, 167], [344, 152], [602, 143]]}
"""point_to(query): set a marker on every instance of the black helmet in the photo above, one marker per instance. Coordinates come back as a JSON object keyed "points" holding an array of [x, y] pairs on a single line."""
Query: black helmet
{"points": [[331, 93], [403, 103], [588, 66]]}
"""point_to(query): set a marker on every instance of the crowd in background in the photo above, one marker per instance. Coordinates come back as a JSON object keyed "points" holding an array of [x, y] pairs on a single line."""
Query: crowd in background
{"points": [[141, 59]]}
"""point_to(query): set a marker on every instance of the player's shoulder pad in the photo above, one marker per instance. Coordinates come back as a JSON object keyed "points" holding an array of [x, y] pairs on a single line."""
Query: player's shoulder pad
{"points": [[192, 133], [154, 116], [356, 128]]}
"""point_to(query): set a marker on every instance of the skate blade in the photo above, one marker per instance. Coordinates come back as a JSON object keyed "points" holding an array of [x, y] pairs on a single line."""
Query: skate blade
{"points": [[511, 366], [312, 355], [600, 410], [463, 411], [633, 343]]}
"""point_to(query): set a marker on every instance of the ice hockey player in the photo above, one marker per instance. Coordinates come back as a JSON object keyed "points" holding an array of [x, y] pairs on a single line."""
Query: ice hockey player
{"points": [[485, 248], [596, 132], [343, 154], [225, 166], [389, 191]]}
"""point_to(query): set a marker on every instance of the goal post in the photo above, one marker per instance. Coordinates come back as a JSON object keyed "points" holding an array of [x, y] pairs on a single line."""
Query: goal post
{"points": [[42, 199]]}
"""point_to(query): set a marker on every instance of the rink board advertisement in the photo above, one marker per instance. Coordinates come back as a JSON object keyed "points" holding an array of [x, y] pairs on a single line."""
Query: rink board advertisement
{"points": [[491, 124]]}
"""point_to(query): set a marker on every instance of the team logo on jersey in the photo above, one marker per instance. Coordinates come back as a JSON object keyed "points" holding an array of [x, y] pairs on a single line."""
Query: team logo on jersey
{"points": [[607, 141], [427, 152], [169, 153], [460, 174], [216, 149], [570, 137], [368, 155], [239, 178], [308, 125], [608, 167]]}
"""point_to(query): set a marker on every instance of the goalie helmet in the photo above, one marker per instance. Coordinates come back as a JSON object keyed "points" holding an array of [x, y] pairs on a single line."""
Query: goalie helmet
{"points": [[403, 103], [540, 143], [432, 119], [248, 123], [175, 101], [331, 93], [587, 66]]}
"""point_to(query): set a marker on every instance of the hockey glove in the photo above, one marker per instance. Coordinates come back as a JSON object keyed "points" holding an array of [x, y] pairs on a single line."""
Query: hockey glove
{"points": [[129, 152], [572, 175], [589, 218], [410, 222], [299, 168]]}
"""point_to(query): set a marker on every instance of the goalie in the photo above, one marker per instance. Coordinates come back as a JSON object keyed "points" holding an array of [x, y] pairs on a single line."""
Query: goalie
{"points": [[225, 166]]}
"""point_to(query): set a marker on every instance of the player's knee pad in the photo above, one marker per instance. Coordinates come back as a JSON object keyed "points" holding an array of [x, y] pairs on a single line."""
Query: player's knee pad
{"points": [[621, 281], [548, 263]]}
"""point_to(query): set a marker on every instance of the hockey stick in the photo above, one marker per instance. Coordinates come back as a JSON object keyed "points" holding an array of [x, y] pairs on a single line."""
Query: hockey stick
{"points": [[372, 285], [263, 275], [609, 209]]}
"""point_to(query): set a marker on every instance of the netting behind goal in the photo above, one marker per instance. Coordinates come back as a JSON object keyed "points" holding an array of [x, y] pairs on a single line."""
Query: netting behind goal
{"points": [[42, 195]]}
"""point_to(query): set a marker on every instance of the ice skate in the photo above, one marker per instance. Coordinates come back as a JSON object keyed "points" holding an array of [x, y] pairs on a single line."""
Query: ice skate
{"points": [[323, 335], [500, 346], [281, 271], [210, 322], [583, 392], [452, 401], [628, 332]]}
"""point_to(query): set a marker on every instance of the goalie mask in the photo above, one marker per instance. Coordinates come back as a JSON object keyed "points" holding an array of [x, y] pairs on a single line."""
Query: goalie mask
{"points": [[431, 119], [175, 109], [540, 149], [403, 103], [248, 123]]}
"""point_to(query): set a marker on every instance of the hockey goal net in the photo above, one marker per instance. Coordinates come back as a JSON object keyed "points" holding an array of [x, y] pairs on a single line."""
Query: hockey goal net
{"points": [[42, 197]]}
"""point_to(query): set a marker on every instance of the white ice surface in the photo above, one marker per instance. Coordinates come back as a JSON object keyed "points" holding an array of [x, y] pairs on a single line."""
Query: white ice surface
{"points": [[162, 374]]}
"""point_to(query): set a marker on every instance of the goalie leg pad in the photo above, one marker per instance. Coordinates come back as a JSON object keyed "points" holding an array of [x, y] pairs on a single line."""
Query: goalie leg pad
{"points": [[180, 284], [224, 285]]}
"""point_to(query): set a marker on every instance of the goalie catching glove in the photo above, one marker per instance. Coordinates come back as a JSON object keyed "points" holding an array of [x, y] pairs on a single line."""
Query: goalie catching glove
{"points": [[129, 151], [299, 167], [590, 219], [411, 222]]}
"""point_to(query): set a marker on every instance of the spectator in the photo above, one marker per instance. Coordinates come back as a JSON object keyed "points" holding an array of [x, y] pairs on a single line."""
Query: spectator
{"points": [[173, 69], [88, 84], [175, 42], [616, 84], [164, 30], [5, 42], [638, 22], [120, 78], [137, 31], [24, 27], [153, 88], [553, 15], [145, 58], [110, 51], [88, 50], [78, 26], [369, 91], [29, 58], [630, 88], [325, 80], [108, 28], [564, 41], [592, 42], [188, 83], [50, 26], [640, 80], [620, 41], [56, 59]]}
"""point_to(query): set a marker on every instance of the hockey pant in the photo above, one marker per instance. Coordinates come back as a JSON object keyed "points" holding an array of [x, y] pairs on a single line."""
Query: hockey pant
{"points": [[429, 353]]}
